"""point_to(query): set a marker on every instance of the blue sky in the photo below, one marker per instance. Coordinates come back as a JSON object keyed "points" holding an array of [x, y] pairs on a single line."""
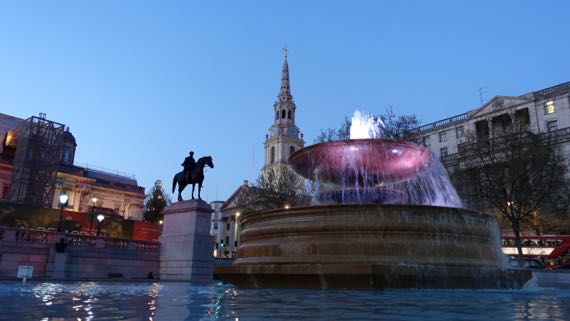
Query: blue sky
{"points": [[141, 83]]}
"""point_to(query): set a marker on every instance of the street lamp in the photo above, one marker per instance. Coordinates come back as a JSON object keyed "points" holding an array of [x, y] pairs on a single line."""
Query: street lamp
{"points": [[93, 204], [63, 198], [100, 218]]}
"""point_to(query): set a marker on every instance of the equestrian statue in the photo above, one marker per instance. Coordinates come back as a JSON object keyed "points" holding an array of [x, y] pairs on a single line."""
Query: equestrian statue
{"points": [[193, 173]]}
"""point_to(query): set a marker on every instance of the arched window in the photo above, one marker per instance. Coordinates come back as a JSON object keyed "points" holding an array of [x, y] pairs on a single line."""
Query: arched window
{"points": [[289, 116], [283, 113], [272, 154], [276, 114], [291, 150]]}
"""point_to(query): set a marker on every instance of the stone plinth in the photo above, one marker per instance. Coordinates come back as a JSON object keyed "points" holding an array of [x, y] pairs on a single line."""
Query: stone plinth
{"points": [[59, 265], [186, 243]]}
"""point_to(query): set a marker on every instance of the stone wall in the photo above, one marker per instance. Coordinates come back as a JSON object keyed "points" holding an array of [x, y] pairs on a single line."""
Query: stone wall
{"points": [[88, 257]]}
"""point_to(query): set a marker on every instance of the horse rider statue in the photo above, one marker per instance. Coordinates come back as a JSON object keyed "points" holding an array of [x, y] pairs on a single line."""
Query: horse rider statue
{"points": [[188, 164], [192, 174]]}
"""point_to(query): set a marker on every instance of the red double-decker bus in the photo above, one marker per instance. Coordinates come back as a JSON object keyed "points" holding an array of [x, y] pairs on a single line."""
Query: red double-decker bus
{"points": [[552, 250]]}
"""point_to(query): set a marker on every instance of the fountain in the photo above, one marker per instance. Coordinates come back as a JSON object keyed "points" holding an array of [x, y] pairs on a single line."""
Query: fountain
{"points": [[385, 216]]}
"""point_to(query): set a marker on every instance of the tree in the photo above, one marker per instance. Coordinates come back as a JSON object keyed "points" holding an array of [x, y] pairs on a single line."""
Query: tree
{"points": [[399, 127], [519, 174], [155, 203], [396, 127], [277, 187], [330, 134]]}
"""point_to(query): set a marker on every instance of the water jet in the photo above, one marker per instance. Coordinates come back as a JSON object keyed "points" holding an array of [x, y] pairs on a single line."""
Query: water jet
{"points": [[385, 216]]}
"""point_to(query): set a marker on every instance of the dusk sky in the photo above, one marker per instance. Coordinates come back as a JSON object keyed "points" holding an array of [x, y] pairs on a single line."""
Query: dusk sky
{"points": [[141, 83]]}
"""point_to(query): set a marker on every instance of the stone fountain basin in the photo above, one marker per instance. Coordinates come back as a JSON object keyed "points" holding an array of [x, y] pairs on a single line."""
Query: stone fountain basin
{"points": [[371, 246], [363, 161]]}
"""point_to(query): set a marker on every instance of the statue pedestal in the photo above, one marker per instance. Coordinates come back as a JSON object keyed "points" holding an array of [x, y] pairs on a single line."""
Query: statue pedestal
{"points": [[186, 252]]}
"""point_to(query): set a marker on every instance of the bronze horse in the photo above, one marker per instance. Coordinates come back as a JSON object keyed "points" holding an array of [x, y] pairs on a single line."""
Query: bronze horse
{"points": [[195, 177]]}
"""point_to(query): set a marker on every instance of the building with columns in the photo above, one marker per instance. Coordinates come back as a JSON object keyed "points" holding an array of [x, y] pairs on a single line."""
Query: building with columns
{"points": [[113, 193], [545, 110]]}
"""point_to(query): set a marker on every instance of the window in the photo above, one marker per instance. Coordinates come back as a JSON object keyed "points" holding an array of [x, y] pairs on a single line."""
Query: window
{"points": [[552, 125], [228, 227], [276, 114], [227, 240], [442, 137], [443, 152], [289, 115], [291, 150], [283, 113], [426, 141], [272, 160], [215, 226], [549, 107], [459, 132]]}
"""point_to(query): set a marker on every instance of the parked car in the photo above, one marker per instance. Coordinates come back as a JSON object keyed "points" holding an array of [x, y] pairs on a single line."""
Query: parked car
{"points": [[526, 263]]}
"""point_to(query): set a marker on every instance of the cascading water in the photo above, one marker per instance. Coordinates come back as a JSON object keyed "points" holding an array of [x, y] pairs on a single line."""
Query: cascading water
{"points": [[388, 217], [409, 174]]}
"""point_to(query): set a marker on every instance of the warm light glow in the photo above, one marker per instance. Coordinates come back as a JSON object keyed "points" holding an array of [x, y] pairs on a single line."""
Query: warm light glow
{"points": [[9, 138], [100, 218], [528, 250], [93, 200], [287, 206], [63, 199], [549, 107], [238, 214], [160, 222]]}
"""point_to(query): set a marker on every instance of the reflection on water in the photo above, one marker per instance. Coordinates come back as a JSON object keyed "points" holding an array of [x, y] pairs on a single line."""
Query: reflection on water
{"points": [[177, 301]]}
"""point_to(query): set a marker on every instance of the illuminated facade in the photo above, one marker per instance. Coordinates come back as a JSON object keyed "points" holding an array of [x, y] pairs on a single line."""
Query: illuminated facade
{"points": [[118, 194]]}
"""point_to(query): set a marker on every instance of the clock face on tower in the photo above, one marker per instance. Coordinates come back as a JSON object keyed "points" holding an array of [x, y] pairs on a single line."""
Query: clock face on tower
{"points": [[273, 131]]}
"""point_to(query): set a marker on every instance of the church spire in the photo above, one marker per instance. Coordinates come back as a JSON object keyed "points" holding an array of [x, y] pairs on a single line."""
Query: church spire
{"points": [[285, 91]]}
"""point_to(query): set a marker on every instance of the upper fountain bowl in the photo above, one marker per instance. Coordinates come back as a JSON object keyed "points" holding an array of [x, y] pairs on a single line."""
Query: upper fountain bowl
{"points": [[366, 162]]}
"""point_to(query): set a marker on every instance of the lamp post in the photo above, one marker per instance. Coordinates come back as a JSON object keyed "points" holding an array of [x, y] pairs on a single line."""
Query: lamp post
{"points": [[100, 218], [93, 204], [63, 198]]}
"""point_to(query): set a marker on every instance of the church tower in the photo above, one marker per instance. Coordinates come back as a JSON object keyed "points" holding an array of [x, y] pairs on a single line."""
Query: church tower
{"points": [[284, 137]]}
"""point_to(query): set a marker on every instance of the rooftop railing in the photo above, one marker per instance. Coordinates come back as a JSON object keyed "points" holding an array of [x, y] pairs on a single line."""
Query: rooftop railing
{"points": [[442, 123]]}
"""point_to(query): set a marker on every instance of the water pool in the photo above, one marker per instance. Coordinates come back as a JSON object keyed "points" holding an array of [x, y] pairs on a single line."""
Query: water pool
{"points": [[179, 301]]}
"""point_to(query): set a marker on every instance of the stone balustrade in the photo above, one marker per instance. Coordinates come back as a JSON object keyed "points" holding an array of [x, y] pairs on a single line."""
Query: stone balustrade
{"points": [[86, 256], [79, 240]]}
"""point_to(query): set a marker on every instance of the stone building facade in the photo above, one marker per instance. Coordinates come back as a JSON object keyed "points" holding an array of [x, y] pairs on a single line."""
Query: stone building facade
{"points": [[546, 110], [86, 187], [284, 137]]}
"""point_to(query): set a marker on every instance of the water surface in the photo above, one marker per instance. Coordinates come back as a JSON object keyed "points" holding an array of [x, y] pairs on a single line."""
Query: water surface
{"points": [[179, 301]]}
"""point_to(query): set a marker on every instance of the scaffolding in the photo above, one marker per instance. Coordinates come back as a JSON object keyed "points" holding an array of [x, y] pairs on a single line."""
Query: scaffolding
{"points": [[36, 162]]}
